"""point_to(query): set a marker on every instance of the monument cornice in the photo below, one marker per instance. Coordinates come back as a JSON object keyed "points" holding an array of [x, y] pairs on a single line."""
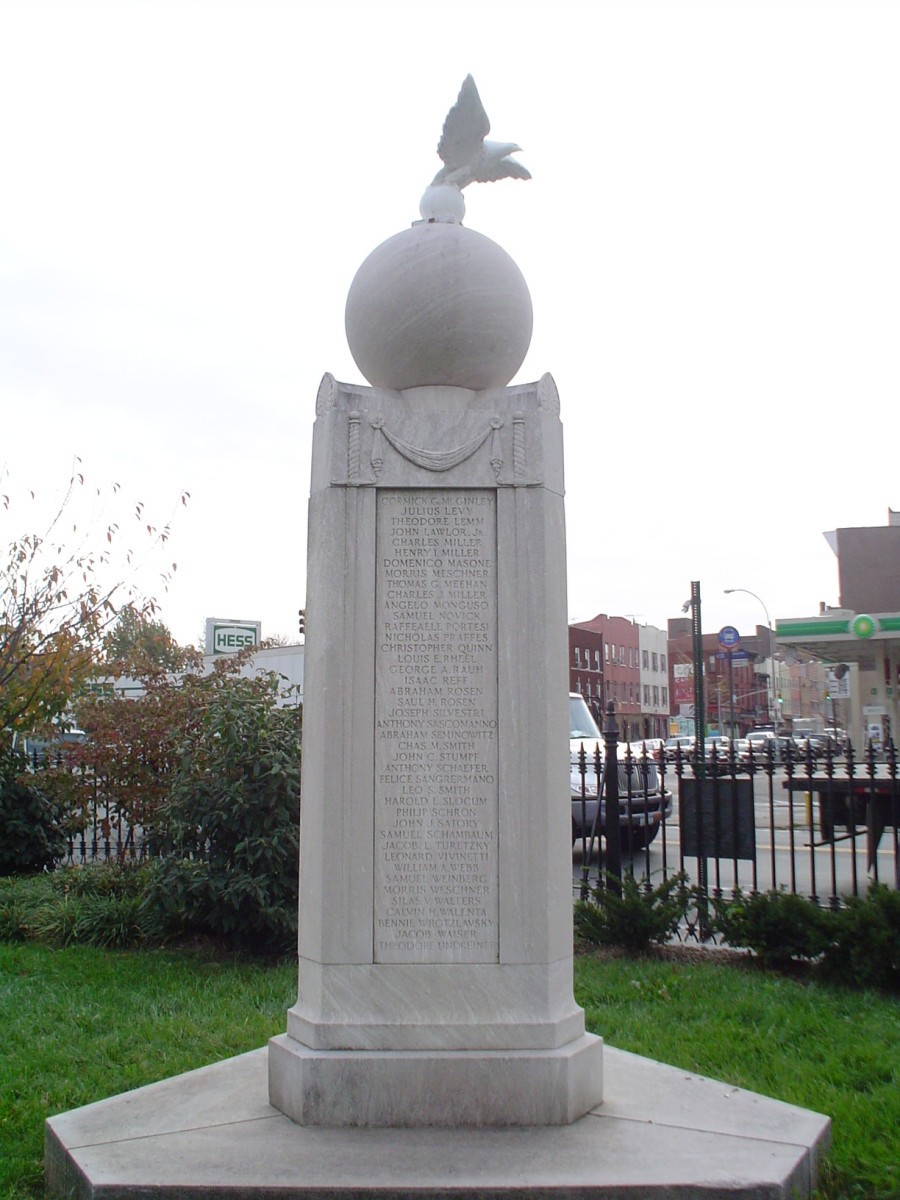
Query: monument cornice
{"points": [[426, 437]]}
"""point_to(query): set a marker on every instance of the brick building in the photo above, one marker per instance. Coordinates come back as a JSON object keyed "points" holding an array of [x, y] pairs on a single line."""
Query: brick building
{"points": [[604, 664], [747, 693]]}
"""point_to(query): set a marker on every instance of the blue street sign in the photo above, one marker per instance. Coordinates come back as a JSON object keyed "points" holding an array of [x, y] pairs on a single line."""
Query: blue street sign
{"points": [[728, 637]]}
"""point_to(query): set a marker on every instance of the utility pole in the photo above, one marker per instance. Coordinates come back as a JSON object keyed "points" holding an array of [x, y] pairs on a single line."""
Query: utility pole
{"points": [[697, 653]]}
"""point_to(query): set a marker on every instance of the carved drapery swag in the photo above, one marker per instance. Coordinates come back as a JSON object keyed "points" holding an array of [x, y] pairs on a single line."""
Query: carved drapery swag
{"points": [[429, 460]]}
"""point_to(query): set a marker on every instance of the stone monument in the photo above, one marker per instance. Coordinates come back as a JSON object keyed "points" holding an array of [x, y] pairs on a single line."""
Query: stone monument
{"points": [[435, 979], [435, 1018]]}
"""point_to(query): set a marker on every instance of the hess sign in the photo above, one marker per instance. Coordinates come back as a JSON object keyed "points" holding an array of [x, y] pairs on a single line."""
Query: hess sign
{"points": [[227, 637]]}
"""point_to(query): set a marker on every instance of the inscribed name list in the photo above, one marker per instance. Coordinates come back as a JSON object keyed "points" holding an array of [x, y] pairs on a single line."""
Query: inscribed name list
{"points": [[436, 855]]}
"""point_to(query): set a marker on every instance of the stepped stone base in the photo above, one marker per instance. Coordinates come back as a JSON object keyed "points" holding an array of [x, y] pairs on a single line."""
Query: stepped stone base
{"points": [[431, 1087], [659, 1132]]}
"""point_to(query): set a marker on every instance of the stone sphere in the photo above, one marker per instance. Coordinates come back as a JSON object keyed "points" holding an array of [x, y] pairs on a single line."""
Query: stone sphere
{"points": [[438, 304], [440, 202]]}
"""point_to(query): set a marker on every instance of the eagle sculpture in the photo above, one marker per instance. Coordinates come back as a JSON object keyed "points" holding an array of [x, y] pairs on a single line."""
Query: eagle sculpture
{"points": [[467, 157]]}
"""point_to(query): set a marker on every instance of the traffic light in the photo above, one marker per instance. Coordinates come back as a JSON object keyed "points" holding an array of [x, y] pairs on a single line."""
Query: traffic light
{"points": [[302, 621]]}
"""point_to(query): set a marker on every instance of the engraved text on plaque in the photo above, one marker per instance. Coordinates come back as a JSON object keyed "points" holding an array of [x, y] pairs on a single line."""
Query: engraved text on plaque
{"points": [[436, 853]]}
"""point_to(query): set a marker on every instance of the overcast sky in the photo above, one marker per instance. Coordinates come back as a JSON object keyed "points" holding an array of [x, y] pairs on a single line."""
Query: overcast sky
{"points": [[711, 238]]}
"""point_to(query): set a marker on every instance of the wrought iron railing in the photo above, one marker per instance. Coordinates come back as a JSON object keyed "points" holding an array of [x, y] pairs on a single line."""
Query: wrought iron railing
{"points": [[97, 825], [820, 824]]}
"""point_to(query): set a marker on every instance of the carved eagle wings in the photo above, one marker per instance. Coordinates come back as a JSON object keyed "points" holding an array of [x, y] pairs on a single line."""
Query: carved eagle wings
{"points": [[467, 157]]}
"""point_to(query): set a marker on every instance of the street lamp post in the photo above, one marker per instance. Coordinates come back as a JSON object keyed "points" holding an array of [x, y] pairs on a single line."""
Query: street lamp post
{"points": [[770, 698], [697, 654]]}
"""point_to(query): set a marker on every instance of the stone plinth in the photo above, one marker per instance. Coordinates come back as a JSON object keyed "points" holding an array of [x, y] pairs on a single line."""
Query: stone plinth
{"points": [[660, 1133], [435, 981]]}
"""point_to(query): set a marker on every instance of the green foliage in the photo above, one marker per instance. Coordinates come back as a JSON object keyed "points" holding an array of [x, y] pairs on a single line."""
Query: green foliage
{"points": [[133, 742], [101, 905], [804, 1041], [101, 879], [19, 897], [56, 921], [137, 643], [136, 742], [865, 940], [30, 834], [232, 821], [777, 925], [637, 918], [59, 592], [80, 1024], [114, 922], [209, 765]]}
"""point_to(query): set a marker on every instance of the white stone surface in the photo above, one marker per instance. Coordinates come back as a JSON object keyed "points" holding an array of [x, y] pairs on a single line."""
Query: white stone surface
{"points": [[442, 202], [660, 1132], [511, 1006], [436, 728], [467, 156], [438, 304], [435, 906], [411, 1088]]}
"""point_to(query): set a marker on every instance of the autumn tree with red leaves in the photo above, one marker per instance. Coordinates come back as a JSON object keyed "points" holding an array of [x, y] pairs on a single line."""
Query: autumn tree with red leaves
{"points": [[60, 591]]}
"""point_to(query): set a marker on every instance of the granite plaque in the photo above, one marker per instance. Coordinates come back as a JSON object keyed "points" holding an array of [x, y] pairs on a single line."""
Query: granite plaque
{"points": [[436, 797]]}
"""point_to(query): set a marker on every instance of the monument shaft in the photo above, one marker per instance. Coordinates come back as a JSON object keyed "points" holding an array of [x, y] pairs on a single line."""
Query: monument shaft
{"points": [[435, 981]]}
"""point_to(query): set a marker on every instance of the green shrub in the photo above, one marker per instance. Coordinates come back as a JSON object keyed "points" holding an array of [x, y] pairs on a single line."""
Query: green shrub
{"points": [[865, 945], [114, 913], [19, 897], [13, 919], [636, 918], [233, 822], [114, 922], [56, 920], [777, 925], [116, 879], [30, 834], [100, 905]]}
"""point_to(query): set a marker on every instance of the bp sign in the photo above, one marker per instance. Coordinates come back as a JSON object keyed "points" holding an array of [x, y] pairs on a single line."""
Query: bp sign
{"points": [[227, 637]]}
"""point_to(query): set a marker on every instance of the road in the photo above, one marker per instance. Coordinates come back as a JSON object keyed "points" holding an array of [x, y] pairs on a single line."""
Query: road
{"points": [[784, 854]]}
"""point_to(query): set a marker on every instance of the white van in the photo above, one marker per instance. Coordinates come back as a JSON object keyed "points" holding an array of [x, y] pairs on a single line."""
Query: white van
{"points": [[643, 799]]}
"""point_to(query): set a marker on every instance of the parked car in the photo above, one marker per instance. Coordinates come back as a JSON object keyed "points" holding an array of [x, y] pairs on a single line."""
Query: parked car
{"points": [[838, 739], [718, 752], [818, 744], [643, 799], [721, 744], [48, 746], [786, 745], [716, 746], [685, 742], [759, 743], [651, 747], [779, 745], [742, 751]]}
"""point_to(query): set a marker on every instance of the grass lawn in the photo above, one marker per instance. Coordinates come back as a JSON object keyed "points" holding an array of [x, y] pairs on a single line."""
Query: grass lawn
{"points": [[835, 1050], [80, 1024]]}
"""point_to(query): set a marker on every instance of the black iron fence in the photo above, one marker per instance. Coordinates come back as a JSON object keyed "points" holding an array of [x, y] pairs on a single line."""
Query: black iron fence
{"points": [[823, 825], [105, 837], [819, 823], [95, 824]]}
